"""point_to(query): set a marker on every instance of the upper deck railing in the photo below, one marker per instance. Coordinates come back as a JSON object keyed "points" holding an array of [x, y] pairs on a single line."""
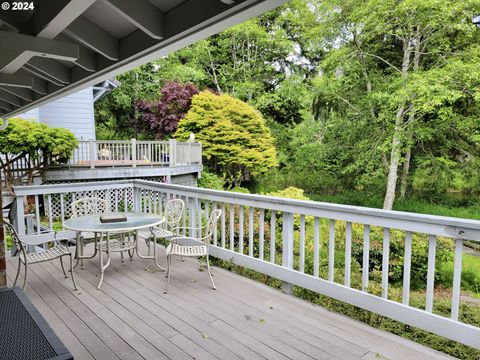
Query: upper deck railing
{"points": [[133, 153], [282, 238]]}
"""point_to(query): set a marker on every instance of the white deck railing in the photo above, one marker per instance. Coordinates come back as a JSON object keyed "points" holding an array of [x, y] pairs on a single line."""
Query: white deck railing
{"points": [[275, 236], [133, 153]]}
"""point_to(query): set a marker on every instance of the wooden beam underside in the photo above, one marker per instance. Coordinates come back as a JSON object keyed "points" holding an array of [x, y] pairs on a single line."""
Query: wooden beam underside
{"points": [[31, 77]]}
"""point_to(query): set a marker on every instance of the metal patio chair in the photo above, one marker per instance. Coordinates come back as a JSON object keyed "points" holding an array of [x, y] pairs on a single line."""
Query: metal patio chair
{"points": [[173, 215], [82, 207], [57, 251], [185, 246]]}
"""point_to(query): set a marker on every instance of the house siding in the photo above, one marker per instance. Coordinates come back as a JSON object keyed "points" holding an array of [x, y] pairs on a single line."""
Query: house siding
{"points": [[73, 112]]}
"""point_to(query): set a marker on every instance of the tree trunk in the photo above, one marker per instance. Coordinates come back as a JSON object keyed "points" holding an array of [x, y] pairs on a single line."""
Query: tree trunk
{"points": [[394, 159], [396, 152], [406, 164], [411, 120]]}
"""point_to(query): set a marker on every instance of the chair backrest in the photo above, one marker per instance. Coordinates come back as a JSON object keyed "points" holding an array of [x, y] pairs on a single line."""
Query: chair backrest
{"points": [[174, 212], [212, 224], [87, 206], [15, 239]]}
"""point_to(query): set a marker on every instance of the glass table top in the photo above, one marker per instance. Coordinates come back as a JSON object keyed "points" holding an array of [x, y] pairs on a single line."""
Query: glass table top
{"points": [[135, 221]]}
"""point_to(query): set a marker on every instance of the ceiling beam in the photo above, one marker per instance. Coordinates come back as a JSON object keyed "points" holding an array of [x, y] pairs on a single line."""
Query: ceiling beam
{"points": [[17, 49], [10, 98], [189, 15], [183, 27], [87, 59], [53, 16], [53, 70], [25, 94], [17, 80], [5, 106], [140, 13], [92, 36]]}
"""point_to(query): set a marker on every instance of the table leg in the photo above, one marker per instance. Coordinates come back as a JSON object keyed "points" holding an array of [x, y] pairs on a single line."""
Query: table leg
{"points": [[155, 253], [77, 249], [102, 268]]}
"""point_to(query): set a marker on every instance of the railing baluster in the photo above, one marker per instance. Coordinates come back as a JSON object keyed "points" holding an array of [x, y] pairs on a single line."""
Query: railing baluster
{"points": [[250, 231], [287, 248], [50, 212], [407, 261], [192, 213], [261, 234], [316, 247], [232, 226], [331, 250], [385, 261], [240, 229], [366, 257], [37, 213], [301, 265], [432, 245], [273, 225], [223, 225], [62, 209], [155, 203], [184, 223], [199, 213], [348, 252], [457, 277], [215, 229]]}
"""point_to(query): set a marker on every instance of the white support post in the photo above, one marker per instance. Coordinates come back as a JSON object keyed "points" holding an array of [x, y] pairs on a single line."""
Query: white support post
{"points": [[137, 199], [91, 153], [457, 279], [20, 216], [134, 152], [287, 248], [172, 144]]}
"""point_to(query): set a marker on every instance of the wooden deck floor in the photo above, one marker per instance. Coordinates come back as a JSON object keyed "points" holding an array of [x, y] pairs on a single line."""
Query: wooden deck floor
{"points": [[131, 318]]}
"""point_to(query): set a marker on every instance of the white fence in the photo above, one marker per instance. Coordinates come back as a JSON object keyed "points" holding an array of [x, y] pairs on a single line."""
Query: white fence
{"points": [[133, 153], [282, 238]]}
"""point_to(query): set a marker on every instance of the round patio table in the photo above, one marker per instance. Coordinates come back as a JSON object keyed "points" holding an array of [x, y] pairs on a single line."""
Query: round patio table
{"points": [[91, 223]]}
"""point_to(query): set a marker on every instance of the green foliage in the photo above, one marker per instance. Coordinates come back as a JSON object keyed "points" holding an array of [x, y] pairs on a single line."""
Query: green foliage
{"points": [[235, 140], [29, 137], [293, 193], [210, 180], [115, 111]]}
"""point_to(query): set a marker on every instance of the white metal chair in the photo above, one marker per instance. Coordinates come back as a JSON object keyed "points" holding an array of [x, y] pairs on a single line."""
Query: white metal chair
{"points": [[57, 251], [173, 215], [184, 246], [82, 207]]}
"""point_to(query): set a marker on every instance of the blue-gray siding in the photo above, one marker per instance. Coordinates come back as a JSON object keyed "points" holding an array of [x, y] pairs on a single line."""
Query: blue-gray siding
{"points": [[73, 112]]}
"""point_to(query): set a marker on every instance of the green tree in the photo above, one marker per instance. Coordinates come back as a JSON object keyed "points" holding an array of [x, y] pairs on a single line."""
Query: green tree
{"points": [[388, 71], [235, 139], [30, 139]]}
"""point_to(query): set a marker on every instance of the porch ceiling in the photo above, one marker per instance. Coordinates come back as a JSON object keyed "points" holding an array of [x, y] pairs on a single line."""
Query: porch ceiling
{"points": [[62, 46]]}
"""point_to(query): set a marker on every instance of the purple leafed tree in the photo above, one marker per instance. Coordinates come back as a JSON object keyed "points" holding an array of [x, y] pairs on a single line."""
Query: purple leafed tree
{"points": [[162, 116]]}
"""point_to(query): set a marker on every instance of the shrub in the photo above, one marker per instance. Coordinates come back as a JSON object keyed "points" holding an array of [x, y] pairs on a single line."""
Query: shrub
{"points": [[210, 180], [236, 141]]}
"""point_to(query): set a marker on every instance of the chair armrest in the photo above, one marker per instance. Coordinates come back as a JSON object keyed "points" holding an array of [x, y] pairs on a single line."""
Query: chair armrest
{"points": [[38, 239]]}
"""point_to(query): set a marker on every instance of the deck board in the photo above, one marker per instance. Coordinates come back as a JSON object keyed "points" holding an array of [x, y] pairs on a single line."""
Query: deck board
{"points": [[132, 318]]}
